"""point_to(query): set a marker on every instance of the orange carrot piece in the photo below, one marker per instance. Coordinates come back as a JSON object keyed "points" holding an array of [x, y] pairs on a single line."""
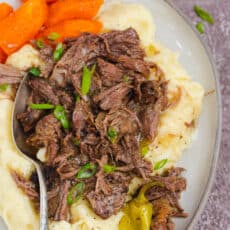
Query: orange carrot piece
{"points": [[5, 10], [2, 56], [50, 1], [72, 28], [73, 9], [22, 25]]}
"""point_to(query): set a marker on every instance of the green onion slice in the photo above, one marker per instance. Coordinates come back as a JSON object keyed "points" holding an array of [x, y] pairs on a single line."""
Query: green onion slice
{"points": [[87, 171], [86, 79], [125, 78], [112, 134], [78, 98], [200, 27], [60, 114], [75, 193], [109, 168], [41, 106], [53, 36], [203, 14], [35, 71], [160, 164], [3, 87], [144, 150], [40, 43], [58, 52]]}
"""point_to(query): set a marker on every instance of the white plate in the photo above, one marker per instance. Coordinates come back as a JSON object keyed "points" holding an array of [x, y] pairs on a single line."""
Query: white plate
{"points": [[200, 159]]}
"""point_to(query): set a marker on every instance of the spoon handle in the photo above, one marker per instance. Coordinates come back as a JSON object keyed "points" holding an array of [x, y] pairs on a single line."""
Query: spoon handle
{"points": [[43, 199]]}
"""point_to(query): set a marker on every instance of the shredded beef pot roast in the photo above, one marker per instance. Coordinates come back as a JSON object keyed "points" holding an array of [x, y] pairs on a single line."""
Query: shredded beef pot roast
{"points": [[94, 151]]}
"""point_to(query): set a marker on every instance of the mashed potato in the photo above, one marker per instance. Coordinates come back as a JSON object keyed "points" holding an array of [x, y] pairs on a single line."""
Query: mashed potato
{"points": [[24, 58], [176, 125]]}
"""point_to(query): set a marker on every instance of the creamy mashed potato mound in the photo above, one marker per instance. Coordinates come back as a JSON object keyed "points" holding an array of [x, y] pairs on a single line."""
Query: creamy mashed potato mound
{"points": [[24, 58], [174, 134]]}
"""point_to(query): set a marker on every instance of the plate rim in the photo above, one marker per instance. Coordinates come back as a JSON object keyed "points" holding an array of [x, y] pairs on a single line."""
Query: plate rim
{"points": [[218, 133]]}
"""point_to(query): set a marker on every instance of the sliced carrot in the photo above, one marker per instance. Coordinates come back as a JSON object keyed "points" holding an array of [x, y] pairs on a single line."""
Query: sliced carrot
{"points": [[73, 9], [22, 25], [72, 28], [50, 1], [5, 10], [2, 56]]}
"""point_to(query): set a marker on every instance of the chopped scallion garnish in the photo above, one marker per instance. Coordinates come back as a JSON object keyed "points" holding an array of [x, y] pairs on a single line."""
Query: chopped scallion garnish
{"points": [[75, 193], [125, 78], [160, 164], [58, 52], [53, 36], [87, 171], [86, 79], [35, 71], [3, 87], [40, 43], [60, 114], [109, 168], [78, 98], [112, 134], [41, 106], [144, 150], [200, 27], [203, 14]]}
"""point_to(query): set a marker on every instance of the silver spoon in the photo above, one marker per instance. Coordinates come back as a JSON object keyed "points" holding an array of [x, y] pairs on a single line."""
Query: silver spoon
{"points": [[19, 138]]}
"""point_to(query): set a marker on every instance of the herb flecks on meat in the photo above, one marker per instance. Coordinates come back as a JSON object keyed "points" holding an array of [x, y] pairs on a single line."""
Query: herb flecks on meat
{"points": [[95, 106]]}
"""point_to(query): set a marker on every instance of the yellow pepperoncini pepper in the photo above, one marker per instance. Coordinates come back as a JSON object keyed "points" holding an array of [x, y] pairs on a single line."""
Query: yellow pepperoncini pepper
{"points": [[138, 213]]}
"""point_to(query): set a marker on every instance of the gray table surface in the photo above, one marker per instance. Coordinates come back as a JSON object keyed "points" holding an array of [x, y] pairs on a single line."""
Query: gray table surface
{"points": [[217, 211]]}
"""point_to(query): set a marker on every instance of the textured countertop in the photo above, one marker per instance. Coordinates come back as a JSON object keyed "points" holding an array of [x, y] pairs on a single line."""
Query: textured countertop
{"points": [[217, 211]]}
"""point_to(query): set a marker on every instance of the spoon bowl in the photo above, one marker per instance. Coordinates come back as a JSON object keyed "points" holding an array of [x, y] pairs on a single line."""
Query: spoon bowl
{"points": [[28, 152]]}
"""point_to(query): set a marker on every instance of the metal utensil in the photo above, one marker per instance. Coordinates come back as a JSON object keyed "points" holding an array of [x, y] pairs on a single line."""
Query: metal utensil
{"points": [[19, 138]]}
